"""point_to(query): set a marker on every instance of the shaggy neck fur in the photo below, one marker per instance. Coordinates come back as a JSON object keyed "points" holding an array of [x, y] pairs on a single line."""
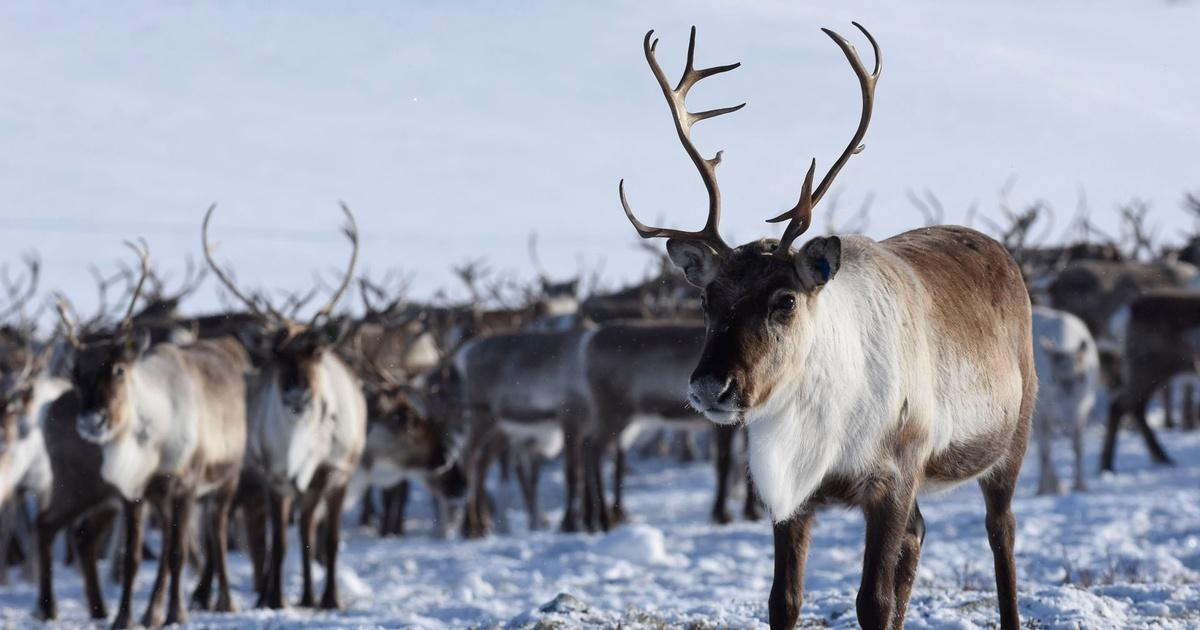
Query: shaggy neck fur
{"points": [[839, 396], [158, 431]]}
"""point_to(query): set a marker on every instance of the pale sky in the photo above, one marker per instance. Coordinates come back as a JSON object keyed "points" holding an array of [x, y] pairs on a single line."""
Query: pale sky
{"points": [[455, 129]]}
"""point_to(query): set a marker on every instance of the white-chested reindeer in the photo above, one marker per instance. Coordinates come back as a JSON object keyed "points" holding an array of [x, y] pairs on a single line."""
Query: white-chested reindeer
{"points": [[1068, 367], [171, 424], [863, 371], [308, 424]]}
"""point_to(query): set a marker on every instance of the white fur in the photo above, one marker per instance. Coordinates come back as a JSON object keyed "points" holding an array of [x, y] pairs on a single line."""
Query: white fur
{"points": [[857, 361], [1065, 399], [288, 448], [27, 466], [543, 438], [160, 433]]}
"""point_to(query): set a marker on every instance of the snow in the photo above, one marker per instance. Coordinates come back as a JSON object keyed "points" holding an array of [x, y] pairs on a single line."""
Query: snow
{"points": [[1126, 554], [454, 130]]}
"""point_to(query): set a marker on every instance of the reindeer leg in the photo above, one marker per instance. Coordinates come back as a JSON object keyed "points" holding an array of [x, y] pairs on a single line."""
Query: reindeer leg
{"points": [[181, 519], [724, 461], [618, 514], [998, 489], [596, 470], [333, 527], [134, 515], [1156, 450], [753, 508], [152, 618], [220, 550], [1116, 410], [906, 569], [272, 593], [202, 595], [1047, 476], [571, 453], [87, 542], [253, 502], [308, 509], [47, 528], [887, 509], [791, 553], [367, 514], [1077, 447], [477, 521]]}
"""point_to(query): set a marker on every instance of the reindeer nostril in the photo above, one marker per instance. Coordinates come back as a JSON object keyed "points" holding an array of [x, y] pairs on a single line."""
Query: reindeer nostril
{"points": [[710, 390], [728, 389]]}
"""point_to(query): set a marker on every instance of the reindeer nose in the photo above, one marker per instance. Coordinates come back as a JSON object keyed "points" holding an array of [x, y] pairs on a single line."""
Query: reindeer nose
{"points": [[709, 390]]}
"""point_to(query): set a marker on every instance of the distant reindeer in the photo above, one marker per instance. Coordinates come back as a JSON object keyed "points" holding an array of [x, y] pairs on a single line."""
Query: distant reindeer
{"points": [[1162, 341], [307, 418], [171, 424], [1068, 368], [523, 391], [637, 374], [42, 454], [863, 371], [404, 444]]}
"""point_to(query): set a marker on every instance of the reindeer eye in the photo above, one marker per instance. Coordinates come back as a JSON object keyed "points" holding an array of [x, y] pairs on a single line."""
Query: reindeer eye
{"points": [[785, 303], [119, 370]]}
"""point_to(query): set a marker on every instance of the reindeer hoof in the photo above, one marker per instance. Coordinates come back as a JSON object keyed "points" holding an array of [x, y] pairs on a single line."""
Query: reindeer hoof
{"points": [[149, 621], [226, 605], [722, 517], [308, 600], [120, 623], [46, 613], [618, 516], [752, 514], [200, 601], [177, 617], [331, 602]]}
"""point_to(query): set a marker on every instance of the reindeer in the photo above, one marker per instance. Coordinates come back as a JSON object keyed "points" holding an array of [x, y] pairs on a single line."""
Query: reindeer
{"points": [[307, 418], [637, 374], [170, 421], [1068, 368], [405, 443], [525, 390], [863, 371], [41, 454], [1160, 343]]}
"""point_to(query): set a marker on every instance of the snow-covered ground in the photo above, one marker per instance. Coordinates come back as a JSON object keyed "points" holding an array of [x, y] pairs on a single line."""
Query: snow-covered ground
{"points": [[1124, 555]]}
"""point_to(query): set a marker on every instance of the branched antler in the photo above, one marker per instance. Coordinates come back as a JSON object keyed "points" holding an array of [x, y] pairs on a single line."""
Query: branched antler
{"points": [[799, 218], [676, 97]]}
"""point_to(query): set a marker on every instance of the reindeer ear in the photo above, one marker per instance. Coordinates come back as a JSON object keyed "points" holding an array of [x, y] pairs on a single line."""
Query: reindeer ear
{"points": [[697, 260], [819, 260]]}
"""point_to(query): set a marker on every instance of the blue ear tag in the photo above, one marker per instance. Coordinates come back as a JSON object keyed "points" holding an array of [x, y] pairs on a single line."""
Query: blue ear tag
{"points": [[823, 267]]}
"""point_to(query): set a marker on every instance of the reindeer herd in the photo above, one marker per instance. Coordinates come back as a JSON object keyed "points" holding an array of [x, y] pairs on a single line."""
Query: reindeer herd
{"points": [[857, 371]]}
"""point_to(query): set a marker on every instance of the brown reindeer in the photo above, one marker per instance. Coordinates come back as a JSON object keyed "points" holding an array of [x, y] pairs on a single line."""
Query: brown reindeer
{"points": [[307, 418], [171, 424], [637, 375], [1161, 342], [863, 371]]}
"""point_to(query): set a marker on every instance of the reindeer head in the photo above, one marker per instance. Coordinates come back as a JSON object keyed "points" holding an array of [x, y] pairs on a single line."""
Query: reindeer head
{"points": [[1068, 366], [103, 366], [287, 351], [758, 299]]}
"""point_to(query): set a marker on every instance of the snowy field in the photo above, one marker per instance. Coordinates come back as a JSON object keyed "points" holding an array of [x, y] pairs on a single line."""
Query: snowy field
{"points": [[1124, 555]]}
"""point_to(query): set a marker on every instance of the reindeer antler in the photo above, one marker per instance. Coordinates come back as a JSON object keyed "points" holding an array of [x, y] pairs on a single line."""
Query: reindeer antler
{"points": [[800, 216], [351, 232], [710, 233], [142, 249]]}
